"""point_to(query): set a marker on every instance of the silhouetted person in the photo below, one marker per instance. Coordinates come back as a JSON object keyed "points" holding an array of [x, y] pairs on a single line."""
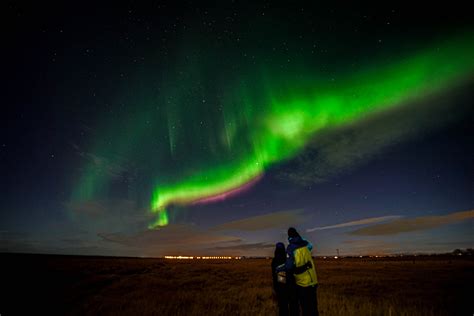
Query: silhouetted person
{"points": [[283, 284], [300, 264]]}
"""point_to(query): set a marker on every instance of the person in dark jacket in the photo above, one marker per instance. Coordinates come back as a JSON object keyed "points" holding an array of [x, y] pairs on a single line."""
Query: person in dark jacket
{"points": [[299, 263], [283, 284]]}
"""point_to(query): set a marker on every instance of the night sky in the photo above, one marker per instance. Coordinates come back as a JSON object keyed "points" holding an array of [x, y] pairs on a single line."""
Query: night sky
{"points": [[185, 129]]}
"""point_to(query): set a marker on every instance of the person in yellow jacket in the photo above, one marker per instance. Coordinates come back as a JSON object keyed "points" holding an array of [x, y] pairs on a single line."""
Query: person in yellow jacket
{"points": [[300, 263]]}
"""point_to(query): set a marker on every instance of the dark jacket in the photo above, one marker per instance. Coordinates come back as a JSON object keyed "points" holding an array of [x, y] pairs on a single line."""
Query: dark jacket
{"points": [[275, 263]]}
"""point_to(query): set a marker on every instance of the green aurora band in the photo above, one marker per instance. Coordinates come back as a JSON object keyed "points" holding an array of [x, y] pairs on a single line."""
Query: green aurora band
{"points": [[291, 120], [271, 121]]}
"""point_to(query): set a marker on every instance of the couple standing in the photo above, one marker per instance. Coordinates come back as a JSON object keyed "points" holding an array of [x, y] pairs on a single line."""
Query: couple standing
{"points": [[294, 277]]}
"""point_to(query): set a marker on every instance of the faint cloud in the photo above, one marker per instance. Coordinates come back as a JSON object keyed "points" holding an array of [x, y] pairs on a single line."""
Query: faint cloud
{"points": [[7, 245], [100, 215], [413, 224], [364, 221], [266, 221], [244, 249], [174, 237], [333, 152], [73, 241], [16, 242], [114, 168], [91, 208], [458, 244], [249, 246], [95, 208], [370, 247]]}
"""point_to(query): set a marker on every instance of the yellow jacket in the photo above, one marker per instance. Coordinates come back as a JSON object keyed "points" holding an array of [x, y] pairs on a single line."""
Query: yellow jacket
{"points": [[304, 276]]}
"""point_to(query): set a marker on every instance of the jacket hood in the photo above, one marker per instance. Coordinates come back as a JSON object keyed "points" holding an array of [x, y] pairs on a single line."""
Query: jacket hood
{"points": [[298, 241]]}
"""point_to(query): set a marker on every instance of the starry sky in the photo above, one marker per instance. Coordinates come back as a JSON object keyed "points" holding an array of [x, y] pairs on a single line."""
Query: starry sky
{"points": [[183, 128]]}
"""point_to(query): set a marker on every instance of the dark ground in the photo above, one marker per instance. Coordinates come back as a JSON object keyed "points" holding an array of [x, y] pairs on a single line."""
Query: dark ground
{"points": [[48, 284]]}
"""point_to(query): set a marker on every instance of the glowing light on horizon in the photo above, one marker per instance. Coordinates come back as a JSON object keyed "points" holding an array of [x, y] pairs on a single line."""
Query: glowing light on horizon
{"points": [[203, 257]]}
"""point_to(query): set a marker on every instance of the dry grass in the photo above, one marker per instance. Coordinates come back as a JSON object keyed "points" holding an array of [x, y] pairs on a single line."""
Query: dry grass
{"points": [[112, 286]]}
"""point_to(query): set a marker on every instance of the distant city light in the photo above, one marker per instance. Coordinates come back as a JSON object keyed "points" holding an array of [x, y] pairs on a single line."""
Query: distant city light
{"points": [[178, 257], [203, 258]]}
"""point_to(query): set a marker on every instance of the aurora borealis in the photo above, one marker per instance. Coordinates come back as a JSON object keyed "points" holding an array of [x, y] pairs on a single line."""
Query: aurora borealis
{"points": [[148, 118], [293, 116]]}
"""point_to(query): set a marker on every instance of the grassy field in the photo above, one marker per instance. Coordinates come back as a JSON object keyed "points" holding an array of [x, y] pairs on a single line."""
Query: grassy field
{"points": [[128, 286]]}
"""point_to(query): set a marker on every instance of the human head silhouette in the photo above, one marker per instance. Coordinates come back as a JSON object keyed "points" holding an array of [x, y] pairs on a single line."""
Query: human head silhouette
{"points": [[292, 233], [280, 252]]}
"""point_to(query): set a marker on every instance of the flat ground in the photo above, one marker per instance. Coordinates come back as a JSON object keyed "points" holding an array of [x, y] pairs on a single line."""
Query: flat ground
{"points": [[134, 286]]}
